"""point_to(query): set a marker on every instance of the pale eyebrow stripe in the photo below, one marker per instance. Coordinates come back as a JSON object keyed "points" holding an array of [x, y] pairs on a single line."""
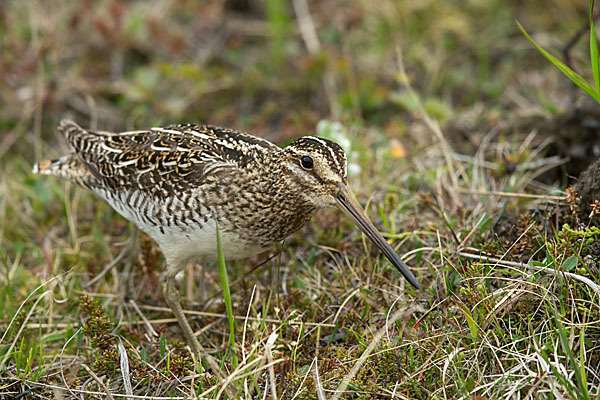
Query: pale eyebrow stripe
{"points": [[333, 155]]}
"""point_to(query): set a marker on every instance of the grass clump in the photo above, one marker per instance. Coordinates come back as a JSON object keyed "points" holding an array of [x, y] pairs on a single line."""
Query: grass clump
{"points": [[97, 325]]}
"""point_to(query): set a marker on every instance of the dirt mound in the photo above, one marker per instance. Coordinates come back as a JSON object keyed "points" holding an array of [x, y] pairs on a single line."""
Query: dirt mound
{"points": [[588, 191]]}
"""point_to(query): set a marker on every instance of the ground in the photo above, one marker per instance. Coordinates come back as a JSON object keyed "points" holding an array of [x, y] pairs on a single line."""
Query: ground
{"points": [[465, 146]]}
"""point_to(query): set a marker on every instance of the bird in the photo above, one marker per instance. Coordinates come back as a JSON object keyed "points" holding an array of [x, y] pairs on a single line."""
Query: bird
{"points": [[183, 184]]}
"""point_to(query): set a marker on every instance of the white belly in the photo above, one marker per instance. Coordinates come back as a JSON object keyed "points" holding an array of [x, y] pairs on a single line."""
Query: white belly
{"points": [[202, 244], [183, 243]]}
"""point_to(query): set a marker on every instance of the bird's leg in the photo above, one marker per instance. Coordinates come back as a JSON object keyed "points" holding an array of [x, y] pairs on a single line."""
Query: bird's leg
{"points": [[171, 295]]}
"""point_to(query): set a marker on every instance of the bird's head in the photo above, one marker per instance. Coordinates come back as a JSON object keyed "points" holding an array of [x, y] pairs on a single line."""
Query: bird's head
{"points": [[318, 166]]}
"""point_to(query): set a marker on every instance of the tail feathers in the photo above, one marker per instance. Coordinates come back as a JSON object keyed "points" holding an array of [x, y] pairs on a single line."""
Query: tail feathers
{"points": [[62, 167], [71, 167], [41, 168], [67, 167], [51, 167]]}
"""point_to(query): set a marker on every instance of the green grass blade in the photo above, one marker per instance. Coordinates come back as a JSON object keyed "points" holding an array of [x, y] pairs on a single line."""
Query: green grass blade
{"points": [[566, 383], [473, 327], [227, 297], [577, 368], [594, 50], [568, 72], [582, 359]]}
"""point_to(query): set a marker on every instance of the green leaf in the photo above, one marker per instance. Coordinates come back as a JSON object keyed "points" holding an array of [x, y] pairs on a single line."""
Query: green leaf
{"points": [[568, 72], [570, 263], [473, 327], [303, 370], [144, 354], [470, 384]]}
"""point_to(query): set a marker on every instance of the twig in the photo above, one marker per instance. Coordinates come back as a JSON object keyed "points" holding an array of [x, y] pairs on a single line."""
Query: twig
{"points": [[509, 194], [98, 381], [62, 372], [500, 262], [149, 329], [242, 317], [268, 350], [161, 321], [318, 387], [301, 387], [307, 27]]}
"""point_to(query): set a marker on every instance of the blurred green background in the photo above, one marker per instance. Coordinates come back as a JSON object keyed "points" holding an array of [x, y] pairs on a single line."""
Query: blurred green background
{"points": [[273, 67]]}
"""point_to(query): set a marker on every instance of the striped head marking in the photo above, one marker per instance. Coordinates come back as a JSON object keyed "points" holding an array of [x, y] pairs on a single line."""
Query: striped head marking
{"points": [[319, 165]]}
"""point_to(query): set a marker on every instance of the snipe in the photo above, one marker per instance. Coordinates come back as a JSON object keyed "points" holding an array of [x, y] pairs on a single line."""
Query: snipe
{"points": [[181, 182]]}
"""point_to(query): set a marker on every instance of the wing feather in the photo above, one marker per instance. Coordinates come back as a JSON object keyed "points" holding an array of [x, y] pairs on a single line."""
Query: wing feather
{"points": [[160, 161]]}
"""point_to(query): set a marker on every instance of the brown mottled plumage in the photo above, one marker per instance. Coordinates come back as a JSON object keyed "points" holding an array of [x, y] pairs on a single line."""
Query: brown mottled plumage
{"points": [[181, 182]]}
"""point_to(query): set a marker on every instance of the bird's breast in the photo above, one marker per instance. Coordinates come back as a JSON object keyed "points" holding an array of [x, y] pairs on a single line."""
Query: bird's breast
{"points": [[250, 219]]}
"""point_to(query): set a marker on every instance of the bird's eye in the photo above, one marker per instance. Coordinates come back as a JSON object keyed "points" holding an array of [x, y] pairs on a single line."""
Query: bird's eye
{"points": [[307, 162]]}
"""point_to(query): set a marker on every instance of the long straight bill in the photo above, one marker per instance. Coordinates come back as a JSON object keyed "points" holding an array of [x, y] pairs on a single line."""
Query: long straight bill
{"points": [[353, 210]]}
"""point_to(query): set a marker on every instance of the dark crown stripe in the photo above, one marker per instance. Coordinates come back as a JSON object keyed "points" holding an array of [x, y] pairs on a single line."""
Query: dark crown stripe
{"points": [[334, 153]]}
